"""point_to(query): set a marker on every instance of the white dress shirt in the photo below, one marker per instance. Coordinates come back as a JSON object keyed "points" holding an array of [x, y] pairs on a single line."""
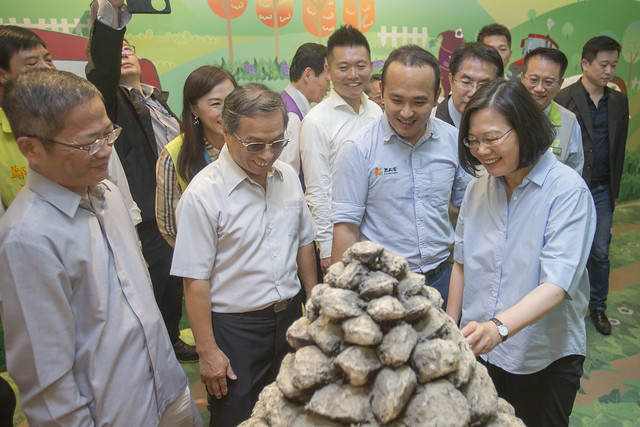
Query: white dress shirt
{"points": [[324, 129], [240, 237]]}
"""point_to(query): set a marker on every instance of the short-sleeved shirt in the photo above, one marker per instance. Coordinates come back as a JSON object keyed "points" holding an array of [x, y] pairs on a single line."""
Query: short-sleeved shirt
{"points": [[324, 129], [397, 193], [240, 237], [509, 247]]}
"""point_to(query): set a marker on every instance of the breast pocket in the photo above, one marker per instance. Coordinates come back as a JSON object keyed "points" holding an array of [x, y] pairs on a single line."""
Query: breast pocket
{"points": [[292, 210]]}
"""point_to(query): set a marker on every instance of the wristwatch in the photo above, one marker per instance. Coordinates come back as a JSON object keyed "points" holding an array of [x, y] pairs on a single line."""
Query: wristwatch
{"points": [[502, 329]]}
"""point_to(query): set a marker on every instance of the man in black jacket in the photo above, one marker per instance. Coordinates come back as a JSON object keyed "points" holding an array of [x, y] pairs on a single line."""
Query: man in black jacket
{"points": [[472, 64], [147, 125], [603, 115]]}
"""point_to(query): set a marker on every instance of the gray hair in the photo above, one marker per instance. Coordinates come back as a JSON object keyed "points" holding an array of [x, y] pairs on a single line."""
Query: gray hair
{"points": [[37, 101], [250, 100]]}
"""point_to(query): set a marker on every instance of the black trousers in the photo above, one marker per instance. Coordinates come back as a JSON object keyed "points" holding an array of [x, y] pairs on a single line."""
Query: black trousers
{"points": [[166, 288], [255, 343], [7, 403], [544, 398]]}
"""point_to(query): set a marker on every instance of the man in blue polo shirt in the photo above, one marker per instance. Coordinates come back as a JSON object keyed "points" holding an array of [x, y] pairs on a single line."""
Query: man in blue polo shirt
{"points": [[393, 182]]}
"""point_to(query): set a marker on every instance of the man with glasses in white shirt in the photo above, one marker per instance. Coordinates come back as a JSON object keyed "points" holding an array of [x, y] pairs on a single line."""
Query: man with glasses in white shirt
{"points": [[244, 247]]}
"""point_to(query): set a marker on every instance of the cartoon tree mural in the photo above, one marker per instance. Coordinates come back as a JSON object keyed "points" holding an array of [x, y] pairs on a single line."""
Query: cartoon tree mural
{"points": [[359, 14], [532, 14], [228, 9], [567, 30], [275, 14], [319, 17], [631, 46]]}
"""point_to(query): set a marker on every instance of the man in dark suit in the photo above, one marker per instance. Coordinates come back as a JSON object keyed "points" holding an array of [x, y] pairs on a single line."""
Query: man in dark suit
{"points": [[471, 65], [603, 115], [147, 125]]}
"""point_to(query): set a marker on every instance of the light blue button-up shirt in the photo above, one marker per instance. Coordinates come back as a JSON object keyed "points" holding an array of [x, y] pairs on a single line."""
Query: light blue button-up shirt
{"points": [[508, 248], [86, 344], [398, 194]]}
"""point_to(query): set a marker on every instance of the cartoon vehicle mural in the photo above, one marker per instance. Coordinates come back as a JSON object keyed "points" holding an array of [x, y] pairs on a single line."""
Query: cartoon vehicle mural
{"points": [[69, 53], [531, 42]]}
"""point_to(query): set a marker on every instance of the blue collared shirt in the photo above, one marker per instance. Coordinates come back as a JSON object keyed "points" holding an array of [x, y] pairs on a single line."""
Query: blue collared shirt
{"points": [[508, 248], [397, 193], [87, 344]]}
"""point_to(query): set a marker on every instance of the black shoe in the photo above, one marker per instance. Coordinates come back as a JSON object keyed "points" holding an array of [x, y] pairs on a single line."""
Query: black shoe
{"points": [[185, 353], [601, 322]]}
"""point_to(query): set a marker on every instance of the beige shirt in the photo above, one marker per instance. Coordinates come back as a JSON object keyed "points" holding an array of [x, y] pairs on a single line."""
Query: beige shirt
{"points": [[242, 239]]}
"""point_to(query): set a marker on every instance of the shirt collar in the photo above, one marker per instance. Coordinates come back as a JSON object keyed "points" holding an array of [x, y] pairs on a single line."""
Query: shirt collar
{"points": [[338, 101], [542, 167], [605, 93], [389, 132], [147, 90], [233, 174], [4, 122], [57, 195], [553, 113], [301, 101], [455, 115]]}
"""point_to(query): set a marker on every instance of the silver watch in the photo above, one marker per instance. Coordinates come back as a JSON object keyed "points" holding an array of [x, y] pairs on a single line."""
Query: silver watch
{"points": [[502, 329]]}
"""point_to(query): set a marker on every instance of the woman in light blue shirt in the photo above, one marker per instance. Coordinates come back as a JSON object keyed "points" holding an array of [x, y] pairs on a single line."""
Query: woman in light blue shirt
{"points": [[519, 284]]}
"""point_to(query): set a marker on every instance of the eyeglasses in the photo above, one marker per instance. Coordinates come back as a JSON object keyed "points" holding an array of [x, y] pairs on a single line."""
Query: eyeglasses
{"points": [[546, 83], [473, 142], [256, 147], [468, 84], [129, 49], [92, 148]]}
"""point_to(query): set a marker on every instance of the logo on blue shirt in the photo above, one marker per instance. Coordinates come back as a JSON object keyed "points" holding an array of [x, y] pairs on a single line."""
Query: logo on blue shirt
{"points": [[386, 171]]}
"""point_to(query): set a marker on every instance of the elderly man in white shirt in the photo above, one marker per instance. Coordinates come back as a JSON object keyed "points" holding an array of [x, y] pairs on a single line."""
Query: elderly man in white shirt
{"points": [[244, 246]]}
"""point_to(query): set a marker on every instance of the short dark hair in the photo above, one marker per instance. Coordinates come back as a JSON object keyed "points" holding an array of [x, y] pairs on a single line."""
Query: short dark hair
{"points": [[250, 100], [199, 83], [476, 50], [494, 30], [347, 36], [554, 55], [598, 44], [377, 77], [510, 99], [413, 56], [37, 101], [312, 55], [13, 39]]}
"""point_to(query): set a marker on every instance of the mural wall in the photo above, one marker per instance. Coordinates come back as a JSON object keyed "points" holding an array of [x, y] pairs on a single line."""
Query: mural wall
{"points": [[255, 39]]}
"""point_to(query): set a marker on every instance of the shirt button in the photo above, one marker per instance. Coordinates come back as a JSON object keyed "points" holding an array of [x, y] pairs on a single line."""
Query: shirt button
{"points": [[275, 254], [504, 230], [270, 226], [515, 197], [498, 263], [277, 282], [493, 294]]}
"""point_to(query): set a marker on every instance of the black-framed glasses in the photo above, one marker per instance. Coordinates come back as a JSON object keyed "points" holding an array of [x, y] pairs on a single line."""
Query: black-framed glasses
{"points": [[473, 142], [256, 147], [468, 84], [92, 148], [128, 49], [546, 83]]}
